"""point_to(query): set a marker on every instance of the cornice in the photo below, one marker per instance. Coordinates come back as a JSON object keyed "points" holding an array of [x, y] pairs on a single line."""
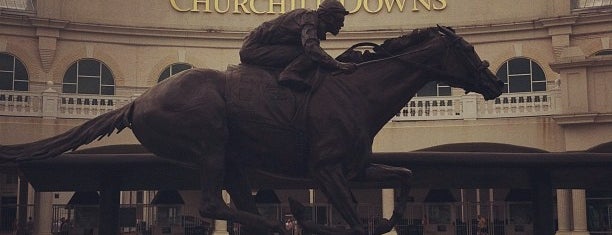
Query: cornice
{"points": [[558, 21], [48, 23], [594, 61], [585, 118], [155, 32], [482, 33]]}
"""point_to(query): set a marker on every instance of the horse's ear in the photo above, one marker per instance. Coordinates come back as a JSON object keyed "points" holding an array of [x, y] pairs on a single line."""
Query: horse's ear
{"points": [[447, 31]]}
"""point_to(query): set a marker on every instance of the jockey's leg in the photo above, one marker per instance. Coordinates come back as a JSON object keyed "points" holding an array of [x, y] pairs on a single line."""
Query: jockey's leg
{"points": [[295, 75], [278, 56]]}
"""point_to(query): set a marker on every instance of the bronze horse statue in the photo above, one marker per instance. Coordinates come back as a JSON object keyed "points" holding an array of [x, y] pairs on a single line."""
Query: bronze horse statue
{"points": [[227, 124]]}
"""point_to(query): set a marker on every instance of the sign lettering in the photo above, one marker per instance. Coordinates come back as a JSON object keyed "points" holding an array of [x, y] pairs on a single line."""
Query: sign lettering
{"points": [[259, 7]]}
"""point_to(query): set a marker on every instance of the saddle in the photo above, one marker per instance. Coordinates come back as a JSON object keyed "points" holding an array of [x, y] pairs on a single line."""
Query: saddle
{"points": [[269, 115]]}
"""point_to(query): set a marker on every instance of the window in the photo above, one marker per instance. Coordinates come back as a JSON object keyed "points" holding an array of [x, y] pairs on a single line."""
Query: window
{"points": [[13, 74], [435, 89], [89, 76], [603, 52], [173, 69], [25, 5], [582, 4], [522, 75]]}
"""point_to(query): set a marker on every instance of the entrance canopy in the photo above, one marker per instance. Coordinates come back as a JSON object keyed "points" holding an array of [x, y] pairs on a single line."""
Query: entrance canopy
{"points": [[470, 165], [112, 169]]}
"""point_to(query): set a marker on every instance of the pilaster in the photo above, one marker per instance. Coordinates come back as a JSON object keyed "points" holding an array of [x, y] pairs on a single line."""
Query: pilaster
{"points": [[50, 102], [559, 29], [47, 31]]}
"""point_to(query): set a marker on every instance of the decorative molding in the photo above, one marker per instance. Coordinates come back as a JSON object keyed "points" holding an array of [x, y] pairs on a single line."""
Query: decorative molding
{"points": [[597, 61], [518, 49], [585, 118], [3, 43], [181, 55], [89, 51]]}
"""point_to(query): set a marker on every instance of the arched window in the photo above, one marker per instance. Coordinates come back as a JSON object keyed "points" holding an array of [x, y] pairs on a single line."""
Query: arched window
{"points": [[522, 75], [88, 76], [13, 74], [173, 69], [434, 89], [603, 52]]}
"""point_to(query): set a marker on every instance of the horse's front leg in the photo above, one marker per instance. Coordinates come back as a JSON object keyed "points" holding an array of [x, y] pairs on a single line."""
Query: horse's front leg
{"points": [[385, 173], [334, 184]]}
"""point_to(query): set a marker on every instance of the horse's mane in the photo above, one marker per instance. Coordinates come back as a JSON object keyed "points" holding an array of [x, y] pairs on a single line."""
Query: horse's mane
{"points": [[389, 47]]}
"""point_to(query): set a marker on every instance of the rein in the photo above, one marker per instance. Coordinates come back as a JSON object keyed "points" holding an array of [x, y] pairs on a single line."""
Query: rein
{"points": [[480, 68]]}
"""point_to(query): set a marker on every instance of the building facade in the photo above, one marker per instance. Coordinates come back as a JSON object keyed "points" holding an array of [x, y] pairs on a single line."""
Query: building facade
{"points": [[62, 62]]}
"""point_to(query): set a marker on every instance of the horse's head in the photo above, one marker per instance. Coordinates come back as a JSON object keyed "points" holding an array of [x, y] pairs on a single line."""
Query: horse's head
{"points": [[465, 69]]}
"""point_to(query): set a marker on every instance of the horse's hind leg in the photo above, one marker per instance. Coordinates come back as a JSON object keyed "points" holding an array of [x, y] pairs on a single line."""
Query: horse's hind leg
{"points": [[238, 187]]}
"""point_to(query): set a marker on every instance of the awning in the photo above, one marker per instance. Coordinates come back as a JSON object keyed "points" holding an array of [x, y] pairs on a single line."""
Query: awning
{"points": [[85, 198], [167, 197]]}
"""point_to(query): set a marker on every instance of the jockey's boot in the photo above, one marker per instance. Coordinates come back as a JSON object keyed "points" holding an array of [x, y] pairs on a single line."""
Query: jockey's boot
{"points": [[293, 76]]}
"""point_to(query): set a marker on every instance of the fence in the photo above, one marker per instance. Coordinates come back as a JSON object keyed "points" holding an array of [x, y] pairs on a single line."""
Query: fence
{"points": [[453, 218], [9, 214], [133, 219], [52, 104], [473, 106]]}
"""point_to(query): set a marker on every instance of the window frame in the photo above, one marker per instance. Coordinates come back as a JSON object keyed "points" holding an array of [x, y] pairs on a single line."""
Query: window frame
{"points": [[439, 87], [534, 67], [78, 79], [170, 68], [14, 79]]}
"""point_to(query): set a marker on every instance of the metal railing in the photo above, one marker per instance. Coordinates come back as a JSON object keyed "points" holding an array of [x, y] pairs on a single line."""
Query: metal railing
{"points": [[141, 219], [9, 214]]}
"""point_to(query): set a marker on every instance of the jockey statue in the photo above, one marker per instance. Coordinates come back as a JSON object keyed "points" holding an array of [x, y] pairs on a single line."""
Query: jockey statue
{"points": [[292, 41]]}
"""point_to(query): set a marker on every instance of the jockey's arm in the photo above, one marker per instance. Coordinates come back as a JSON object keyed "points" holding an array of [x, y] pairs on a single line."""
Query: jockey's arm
{"points": [[312, 47]]}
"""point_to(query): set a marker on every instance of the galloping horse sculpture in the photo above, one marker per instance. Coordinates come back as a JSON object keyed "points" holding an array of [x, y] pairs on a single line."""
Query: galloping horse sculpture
{"points": [[227, 124]]}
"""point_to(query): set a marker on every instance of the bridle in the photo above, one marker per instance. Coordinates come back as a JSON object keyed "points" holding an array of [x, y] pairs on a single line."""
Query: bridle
{"points": [[452, 40]]}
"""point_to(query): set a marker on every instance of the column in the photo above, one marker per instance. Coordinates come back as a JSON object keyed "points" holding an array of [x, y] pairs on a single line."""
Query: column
{"points": [[563, 211], [541, 183], [221, 225], [579, 212], [43, 212], [110, 194], [388, 204], [22, 209]]}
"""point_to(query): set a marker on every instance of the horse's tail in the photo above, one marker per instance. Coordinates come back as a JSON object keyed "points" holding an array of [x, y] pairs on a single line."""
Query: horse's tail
{"points": [[96, 128]]}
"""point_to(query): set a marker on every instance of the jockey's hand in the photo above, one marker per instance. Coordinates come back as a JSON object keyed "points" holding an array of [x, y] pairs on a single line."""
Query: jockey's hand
{"points": [[347, 67]]}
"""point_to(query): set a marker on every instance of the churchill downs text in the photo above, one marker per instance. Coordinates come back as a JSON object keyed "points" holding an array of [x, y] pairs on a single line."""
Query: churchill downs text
{"points": [[282, 6]]}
